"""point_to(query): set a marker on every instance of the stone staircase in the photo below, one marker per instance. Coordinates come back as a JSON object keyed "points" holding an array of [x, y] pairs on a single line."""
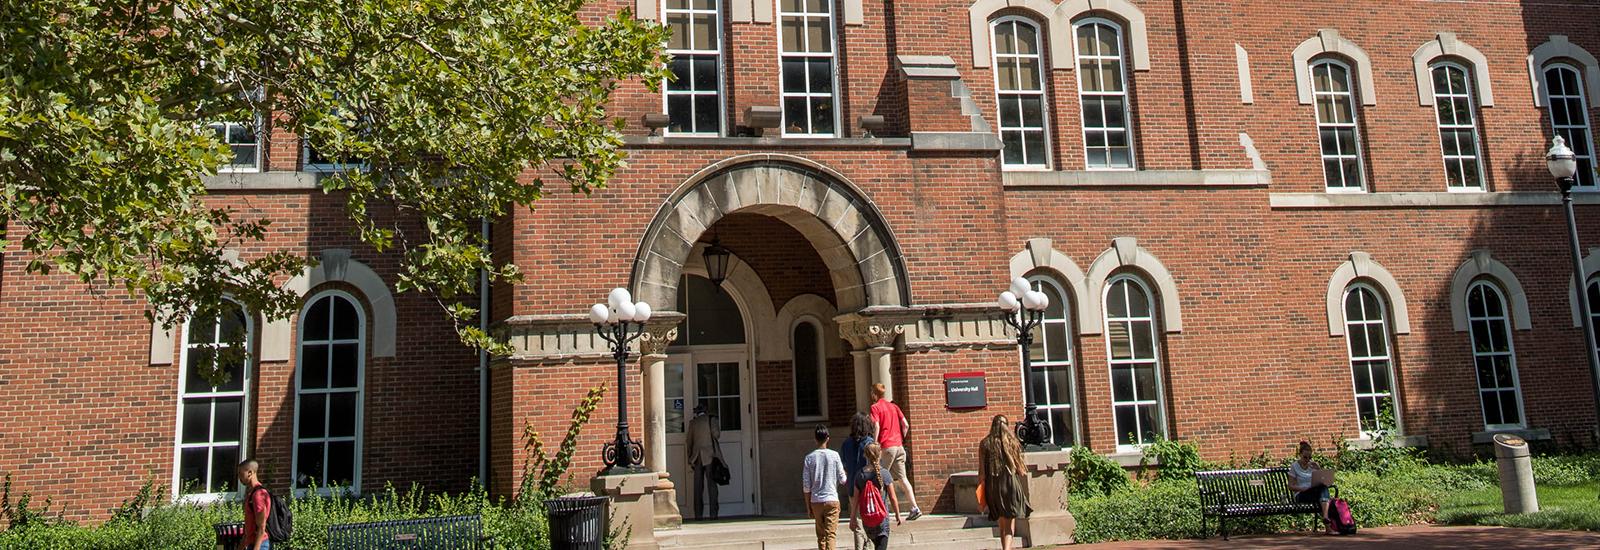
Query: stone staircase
{"points": [[945, 532]]}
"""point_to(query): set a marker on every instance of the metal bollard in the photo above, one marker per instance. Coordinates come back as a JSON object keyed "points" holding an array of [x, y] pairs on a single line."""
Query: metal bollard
{"points": [[1516, 474]]}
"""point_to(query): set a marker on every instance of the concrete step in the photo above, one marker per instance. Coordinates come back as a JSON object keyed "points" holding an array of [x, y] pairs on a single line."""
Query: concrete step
{"points": [[952, 532]]}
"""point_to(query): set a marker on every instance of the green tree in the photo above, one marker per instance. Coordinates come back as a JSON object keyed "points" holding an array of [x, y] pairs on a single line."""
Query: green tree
{"points": [[447, 111]]}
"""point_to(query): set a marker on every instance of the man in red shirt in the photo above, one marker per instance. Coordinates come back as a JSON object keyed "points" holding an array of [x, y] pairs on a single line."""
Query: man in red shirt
{"points": [[892, 430], [257, 505]]}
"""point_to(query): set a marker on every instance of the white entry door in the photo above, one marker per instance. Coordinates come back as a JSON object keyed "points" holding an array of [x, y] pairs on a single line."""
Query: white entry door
{"points": [[718, 379]]}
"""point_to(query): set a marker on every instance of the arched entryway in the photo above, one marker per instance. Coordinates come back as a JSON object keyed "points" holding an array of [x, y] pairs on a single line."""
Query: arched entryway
{"points": [[807, 246]]}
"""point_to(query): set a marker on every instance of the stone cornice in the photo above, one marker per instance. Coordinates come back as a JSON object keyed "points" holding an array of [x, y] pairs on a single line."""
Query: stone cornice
{"points": [[1424, 199], [1137, 178], [929, 327], [560, 337], [695, 142]]}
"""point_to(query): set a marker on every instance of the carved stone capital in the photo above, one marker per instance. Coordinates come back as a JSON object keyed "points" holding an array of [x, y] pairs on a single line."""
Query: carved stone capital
{"points": [[867, 334], [655, 340]]}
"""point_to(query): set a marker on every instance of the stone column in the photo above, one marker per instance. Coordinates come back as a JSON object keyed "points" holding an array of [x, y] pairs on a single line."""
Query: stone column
{"points": [[876, 341], [863, 372], [1051, 523], [652, 358]]}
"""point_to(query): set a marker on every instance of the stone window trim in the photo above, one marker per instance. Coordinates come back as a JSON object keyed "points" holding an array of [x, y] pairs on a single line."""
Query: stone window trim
{"points": [[747, 11], [1058, 19], [1556, 49], [1360, 266], [1125, 253], [1480, 266], [335, 265], [1247, 94], [1329, 42], [1038, 254], [1447, 46], [1591, 267]]}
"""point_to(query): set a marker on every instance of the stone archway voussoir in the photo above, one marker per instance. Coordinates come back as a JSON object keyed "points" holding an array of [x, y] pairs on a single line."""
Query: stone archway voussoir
{"points": [[724, 193]]}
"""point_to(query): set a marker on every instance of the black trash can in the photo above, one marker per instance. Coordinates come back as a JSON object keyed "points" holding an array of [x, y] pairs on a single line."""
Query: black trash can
{"points": [[576, 522], [229, 535]]}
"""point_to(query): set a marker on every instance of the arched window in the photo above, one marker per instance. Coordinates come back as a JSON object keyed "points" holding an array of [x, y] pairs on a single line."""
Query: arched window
{"points": [[805, 37], [1019, 89], [328, 390], [1569, 115], [810, 372], [693, 96], [1103, 93], [711, 315], [1136, 392], [1371, 364], [1458, 127], [1336, 125], [213, 421], [1594, 309], [1052, 379], [1493, 358]]}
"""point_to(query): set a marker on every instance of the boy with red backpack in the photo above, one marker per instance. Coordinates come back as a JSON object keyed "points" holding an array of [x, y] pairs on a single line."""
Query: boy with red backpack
{"points": [[874, 494]]}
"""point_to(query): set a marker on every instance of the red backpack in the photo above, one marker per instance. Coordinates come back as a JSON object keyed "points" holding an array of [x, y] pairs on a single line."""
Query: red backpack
{"points": [[870, 502]]}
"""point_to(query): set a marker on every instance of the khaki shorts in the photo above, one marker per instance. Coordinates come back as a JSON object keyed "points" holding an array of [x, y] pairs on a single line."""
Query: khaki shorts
{"points": [[894, 458]]}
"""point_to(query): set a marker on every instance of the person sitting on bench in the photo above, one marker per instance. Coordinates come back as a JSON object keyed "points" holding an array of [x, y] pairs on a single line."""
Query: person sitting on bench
{"points": [[1310, 483]]}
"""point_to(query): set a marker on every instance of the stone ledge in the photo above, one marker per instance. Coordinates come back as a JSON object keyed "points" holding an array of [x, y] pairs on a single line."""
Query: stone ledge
{"points": [[1424, 199], [261, 181], [1139, 178], [954, 141], [667, 142], [1529, 434], [929, 66], [1130, 459], [1414, 441]]}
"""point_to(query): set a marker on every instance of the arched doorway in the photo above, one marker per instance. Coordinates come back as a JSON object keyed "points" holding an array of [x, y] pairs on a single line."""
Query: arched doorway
{"points": [[710, 365]]}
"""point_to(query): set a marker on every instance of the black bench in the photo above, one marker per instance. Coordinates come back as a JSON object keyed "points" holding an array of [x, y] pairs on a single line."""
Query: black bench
{"points": [[1248, 493], [453, 532]]}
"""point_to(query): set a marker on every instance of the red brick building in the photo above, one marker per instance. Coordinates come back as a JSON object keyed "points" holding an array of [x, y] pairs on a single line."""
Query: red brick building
{"points": [[1259, 222]]}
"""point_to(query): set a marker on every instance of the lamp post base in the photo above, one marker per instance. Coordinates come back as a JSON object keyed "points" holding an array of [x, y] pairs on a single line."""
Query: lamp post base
{"points": [[625, 470]]}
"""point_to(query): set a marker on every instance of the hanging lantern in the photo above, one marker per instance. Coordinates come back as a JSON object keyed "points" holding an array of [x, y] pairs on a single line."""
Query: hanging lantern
{"points": [[716, 258]]}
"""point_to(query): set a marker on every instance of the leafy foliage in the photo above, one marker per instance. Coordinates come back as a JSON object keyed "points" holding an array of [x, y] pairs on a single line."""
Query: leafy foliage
{"points": [[445, 112], [542, 474], [1177, 460], [1092, 474]]}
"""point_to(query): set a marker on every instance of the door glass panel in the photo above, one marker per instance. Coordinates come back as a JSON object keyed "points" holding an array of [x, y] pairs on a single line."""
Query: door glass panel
{"points": [[676, 405]]}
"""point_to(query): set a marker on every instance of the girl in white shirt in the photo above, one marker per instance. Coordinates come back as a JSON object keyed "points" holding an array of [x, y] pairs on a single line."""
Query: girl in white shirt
{"points": [[1305, 490]]}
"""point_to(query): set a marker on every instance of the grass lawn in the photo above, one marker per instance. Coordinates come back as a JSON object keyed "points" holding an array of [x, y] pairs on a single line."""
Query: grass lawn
{"points": [[1574, 507]]}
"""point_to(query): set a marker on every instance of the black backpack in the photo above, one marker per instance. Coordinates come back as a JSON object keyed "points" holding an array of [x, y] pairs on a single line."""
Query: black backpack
{"points": [[280, 521]]}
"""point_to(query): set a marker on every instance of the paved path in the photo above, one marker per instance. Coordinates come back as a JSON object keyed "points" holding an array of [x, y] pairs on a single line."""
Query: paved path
{"points": [[1411, 536]]}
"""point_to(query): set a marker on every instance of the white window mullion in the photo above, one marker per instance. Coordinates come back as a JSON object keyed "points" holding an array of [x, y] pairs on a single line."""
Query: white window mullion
{"points": [[1021, 106], [207, 334], [1456, 114], [1494, 358], [807, 68], [327, 306], [1103, 95], [1337, 129], [1133, 346], [1569, 117], [1372, 369]]}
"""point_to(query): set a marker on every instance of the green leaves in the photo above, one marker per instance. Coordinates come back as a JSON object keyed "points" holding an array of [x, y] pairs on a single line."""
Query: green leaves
{"points": [[436, 108]]}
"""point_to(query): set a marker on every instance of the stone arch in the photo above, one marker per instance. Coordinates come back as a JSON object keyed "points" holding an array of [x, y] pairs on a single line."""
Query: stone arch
{"points": [[1138, 31], [1557, 48], [1125, 252], [1328, 41], [981, 12], [1591, 266], [1040, 254], [1446, 45], [336, 265], [1481, 265], [844, 226], [1360, 266]]}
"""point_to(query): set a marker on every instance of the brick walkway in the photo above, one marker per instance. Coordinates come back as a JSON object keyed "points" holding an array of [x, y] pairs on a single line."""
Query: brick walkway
{"points": [[1413, 536]]}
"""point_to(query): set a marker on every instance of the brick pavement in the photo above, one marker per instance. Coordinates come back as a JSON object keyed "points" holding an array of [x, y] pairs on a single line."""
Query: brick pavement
{"points": [[1410, 536]]}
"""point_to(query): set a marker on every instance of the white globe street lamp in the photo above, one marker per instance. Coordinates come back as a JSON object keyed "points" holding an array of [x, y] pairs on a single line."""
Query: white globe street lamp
{"points": [[1024, 310], [612, 322]]}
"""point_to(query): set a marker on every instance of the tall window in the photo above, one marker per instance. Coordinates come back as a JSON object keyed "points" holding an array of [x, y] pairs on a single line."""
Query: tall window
{"points": [[693, 97], [1458, 127], [1569, 115], [246, 145], [1135, 365], [806, 34], [1594, 309], [1019, 86], [1103, 92], [1336, 125], [1496, 363], [327, 449], [1051, 360], [1367, 331], [212, 425], [810, 373]]}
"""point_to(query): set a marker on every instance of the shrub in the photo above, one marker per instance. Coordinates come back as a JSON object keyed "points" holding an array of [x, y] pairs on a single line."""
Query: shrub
{"points": [[1092, 474], [1572, 469], [1175, 459]]}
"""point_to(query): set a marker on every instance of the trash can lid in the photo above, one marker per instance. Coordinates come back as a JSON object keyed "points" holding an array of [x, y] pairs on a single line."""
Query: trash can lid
{"points": [[1510, 440]]}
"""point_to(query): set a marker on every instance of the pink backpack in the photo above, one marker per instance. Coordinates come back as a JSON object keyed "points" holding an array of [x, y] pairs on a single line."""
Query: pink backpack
{"points": [[1339, 512]]}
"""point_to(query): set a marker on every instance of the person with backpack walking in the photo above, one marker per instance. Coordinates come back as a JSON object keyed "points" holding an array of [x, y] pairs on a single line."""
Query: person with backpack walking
{"points": [[892, 431], [1003, 492], [874, 490], [704, 438], [853, 453], [266, 518]]}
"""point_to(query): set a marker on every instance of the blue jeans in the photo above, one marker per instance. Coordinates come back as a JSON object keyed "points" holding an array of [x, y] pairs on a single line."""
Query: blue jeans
{"points": [[265, 545]]}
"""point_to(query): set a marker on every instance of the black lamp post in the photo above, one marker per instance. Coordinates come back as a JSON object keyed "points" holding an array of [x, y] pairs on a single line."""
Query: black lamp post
{"points": [[624, 455], [1024, 311], [1563, 164]]}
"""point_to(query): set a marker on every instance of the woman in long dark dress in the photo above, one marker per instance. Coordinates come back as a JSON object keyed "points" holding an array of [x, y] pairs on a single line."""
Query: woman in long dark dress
{"points": [[1000, 468]]}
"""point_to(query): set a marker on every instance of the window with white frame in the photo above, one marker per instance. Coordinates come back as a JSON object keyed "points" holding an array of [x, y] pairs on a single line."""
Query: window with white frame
{"points": [[328, 404], [1136, 394], [1458, 127], [1493, 357], [1103, 94], [1051, 377], [213, 424], [693, 95], [1371, 365], [1594, 312], [313, 161], [1019, 90], [241, 138], [805, 37], [810, 372], [1569, 116], [1336, 125]]}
